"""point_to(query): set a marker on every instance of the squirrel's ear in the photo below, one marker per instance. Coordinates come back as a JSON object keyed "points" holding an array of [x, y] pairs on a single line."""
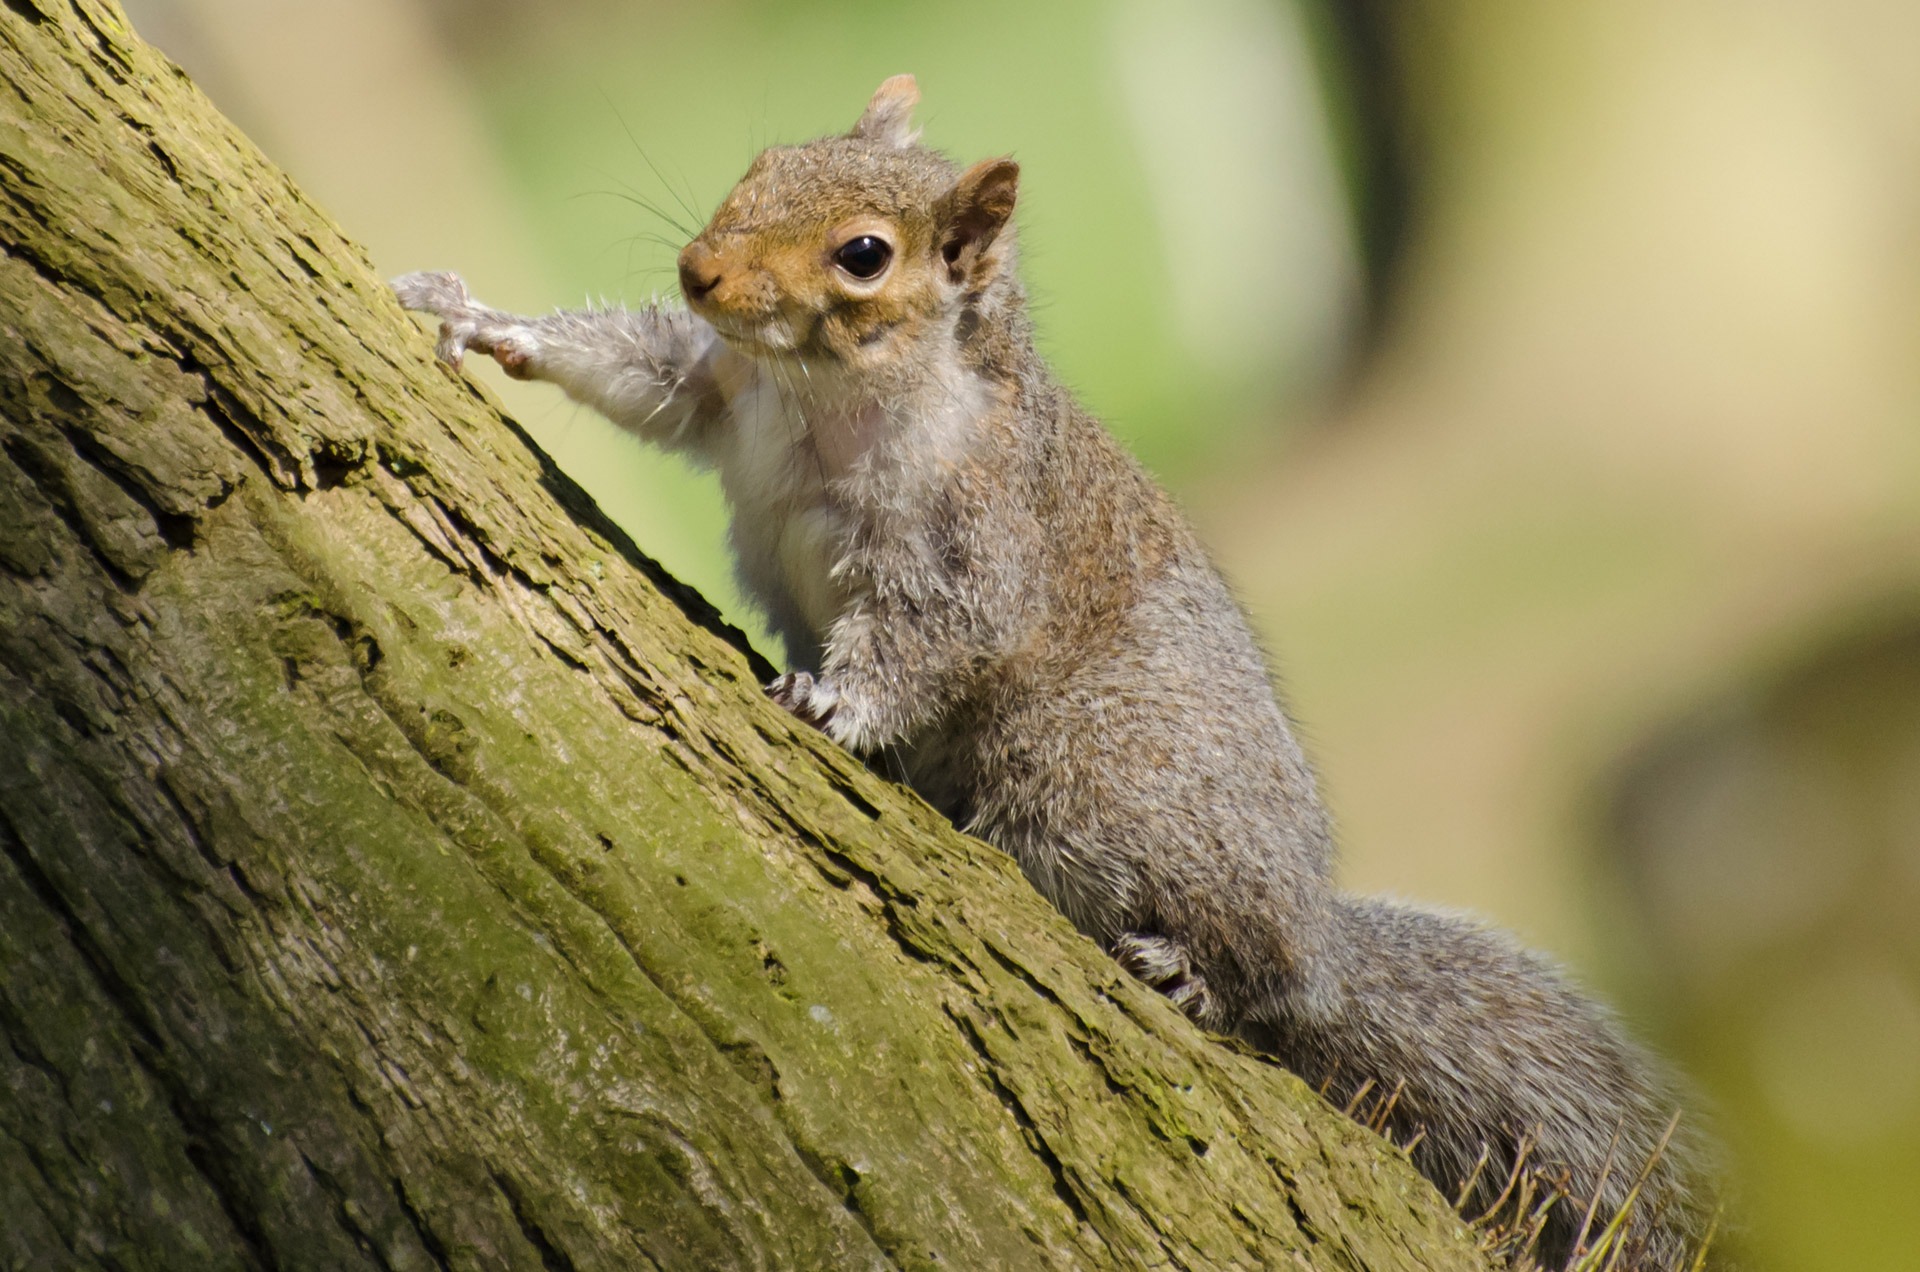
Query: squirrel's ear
{"points": [[889, 117], [978, 208]]}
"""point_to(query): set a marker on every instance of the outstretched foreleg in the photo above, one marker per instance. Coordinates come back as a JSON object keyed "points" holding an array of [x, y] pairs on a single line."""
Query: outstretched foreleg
{"points": [[653, 371]]}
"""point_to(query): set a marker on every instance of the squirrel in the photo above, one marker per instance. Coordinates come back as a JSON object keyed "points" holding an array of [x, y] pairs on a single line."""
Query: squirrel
{"points": [[969, 572]]}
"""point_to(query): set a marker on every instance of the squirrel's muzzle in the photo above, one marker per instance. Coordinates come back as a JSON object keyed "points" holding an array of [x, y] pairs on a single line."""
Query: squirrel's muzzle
{"points": [[699, 271]]}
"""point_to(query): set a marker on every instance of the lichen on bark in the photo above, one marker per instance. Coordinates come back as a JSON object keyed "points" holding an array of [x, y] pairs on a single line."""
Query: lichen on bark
{"points": [[398, 870]]}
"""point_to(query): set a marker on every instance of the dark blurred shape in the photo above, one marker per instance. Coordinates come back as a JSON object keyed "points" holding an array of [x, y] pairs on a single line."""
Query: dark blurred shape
{"points": [[1360, 43], [1770, 847], [1785, 811]]}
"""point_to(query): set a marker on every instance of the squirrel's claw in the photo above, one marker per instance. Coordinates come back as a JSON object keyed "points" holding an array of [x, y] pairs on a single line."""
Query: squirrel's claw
{"points": [[809, 699], [466, 324], [446, 297], [1164, 965]]}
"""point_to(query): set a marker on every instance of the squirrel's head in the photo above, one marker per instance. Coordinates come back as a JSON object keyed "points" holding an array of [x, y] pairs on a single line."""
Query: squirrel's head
{"points": [[854, 247]]}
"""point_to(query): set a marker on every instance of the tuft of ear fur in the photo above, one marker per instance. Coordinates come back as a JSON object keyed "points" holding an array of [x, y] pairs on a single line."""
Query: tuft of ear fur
{"points": [[977, 209], [889, 116]]}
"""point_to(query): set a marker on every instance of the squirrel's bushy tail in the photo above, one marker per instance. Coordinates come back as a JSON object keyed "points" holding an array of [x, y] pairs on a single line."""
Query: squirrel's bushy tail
{"points": [[1475, 1046]]}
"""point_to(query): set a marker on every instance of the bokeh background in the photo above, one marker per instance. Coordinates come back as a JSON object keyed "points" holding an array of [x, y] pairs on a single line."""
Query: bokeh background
{"points": [[1546, 377]]}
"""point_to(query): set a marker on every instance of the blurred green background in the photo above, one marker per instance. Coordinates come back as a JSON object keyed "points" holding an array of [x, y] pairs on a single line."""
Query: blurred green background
{"points": [[1546, 377]]}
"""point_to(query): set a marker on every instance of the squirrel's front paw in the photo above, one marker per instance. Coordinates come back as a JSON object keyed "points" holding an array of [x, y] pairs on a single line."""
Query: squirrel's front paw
{"points": [[466, 324], [810, 699], [432, 292], [1164, 965]]}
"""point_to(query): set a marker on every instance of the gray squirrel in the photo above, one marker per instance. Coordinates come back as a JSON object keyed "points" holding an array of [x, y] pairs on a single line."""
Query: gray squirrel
{"points": [[968, 571]]}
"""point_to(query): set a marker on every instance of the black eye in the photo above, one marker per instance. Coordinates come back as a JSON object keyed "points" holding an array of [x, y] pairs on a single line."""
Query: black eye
{"points": [[863, 257]]}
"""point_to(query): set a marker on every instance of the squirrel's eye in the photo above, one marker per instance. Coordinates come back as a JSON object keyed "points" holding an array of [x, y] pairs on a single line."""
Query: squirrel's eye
{"points": [[863, 257]]}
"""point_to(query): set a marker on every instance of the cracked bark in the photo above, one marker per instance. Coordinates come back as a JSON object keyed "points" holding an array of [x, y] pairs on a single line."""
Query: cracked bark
{"points": [[397, 870]]}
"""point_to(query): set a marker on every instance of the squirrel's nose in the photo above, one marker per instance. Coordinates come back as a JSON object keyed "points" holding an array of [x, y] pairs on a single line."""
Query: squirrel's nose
{"points": [[699, 272]]}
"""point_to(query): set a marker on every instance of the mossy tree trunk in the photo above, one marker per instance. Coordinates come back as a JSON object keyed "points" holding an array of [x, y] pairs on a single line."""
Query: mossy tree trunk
{"points": [[396, 870]]}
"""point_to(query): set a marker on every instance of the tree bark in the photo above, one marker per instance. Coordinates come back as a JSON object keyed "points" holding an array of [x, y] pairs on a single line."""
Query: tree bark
{"points": [[397, 870]]}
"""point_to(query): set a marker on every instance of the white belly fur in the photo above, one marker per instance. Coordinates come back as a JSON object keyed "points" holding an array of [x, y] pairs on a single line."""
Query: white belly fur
{"points": [[798, 450], [788, 531]]}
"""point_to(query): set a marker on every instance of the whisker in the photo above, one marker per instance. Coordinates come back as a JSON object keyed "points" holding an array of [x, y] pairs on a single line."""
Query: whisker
{"points": [[686, 207], [630, 195]]}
